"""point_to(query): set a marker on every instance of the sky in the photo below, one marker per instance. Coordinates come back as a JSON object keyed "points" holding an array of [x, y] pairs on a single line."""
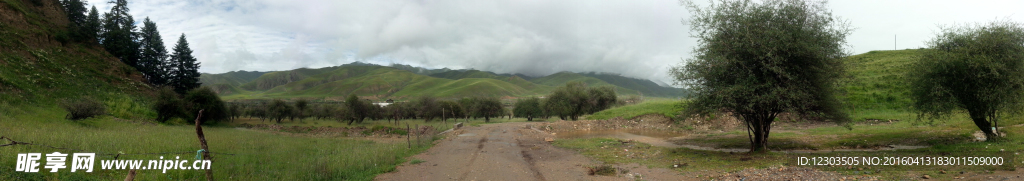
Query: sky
{"points": [[634, 38]]}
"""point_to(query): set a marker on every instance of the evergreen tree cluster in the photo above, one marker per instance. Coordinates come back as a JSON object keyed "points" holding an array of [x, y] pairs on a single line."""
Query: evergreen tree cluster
{"points": [[142, 48]]}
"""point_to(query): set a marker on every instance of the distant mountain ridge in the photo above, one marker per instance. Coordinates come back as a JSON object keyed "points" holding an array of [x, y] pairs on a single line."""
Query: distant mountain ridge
{"points": [[399, 81]]}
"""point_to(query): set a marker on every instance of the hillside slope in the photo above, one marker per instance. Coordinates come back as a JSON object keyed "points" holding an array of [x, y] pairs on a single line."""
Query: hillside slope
{"points": [[371, 81], [39, 66], [236, 78], [879, 80]]}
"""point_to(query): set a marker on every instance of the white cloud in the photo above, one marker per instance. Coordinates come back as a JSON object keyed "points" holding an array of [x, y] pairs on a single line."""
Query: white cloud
{"points": [[538, 37]]}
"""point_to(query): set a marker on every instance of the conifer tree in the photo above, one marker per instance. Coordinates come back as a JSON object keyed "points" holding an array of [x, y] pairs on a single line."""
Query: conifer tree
{"points": [[185, 75], [118, 36], [153, 54]]}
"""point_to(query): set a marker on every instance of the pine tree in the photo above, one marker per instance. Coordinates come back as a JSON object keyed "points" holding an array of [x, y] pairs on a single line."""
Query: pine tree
{"points": [[75, 10], [92, 24], [186, 68], [118, 36], [154, 54]]}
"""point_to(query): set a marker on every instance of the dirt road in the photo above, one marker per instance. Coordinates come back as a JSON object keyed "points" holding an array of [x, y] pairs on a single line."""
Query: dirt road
{"points": [[507, 151]]}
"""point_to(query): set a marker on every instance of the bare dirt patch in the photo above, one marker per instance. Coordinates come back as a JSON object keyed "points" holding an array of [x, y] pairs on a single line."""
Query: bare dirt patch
{"points": [[508, 151]]}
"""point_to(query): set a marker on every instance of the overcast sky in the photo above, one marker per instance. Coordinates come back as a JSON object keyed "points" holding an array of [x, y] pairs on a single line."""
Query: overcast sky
{"points": [[636, 38]]}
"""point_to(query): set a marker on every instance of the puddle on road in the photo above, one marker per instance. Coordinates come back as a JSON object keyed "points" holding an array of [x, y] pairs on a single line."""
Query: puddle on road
{"points": [[660, 139], [468, 134]]}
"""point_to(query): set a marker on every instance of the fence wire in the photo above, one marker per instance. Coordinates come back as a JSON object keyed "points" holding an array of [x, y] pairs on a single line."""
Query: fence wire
{"points": [[115, 155]]}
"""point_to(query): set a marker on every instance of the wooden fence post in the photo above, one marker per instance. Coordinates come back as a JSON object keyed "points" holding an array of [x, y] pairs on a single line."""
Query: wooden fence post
{"points": [[131, 176], [417, 135], [408, 133], [202, 142]]}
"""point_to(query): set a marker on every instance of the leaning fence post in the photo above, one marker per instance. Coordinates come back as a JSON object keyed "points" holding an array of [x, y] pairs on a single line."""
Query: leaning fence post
{"points": [[131, 176], [202, 142]]}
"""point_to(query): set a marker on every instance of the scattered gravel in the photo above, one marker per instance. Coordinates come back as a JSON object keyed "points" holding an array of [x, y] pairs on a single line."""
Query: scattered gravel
{"points": [[782, 173]]}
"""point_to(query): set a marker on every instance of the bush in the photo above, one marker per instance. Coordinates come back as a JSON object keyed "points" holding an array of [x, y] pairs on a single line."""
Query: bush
{"points": [[204, 98], [83, 108], [168, 105]]}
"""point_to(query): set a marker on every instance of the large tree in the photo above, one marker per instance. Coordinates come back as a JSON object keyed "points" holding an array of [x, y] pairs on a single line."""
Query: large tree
{"points": [[977, 68], [575, 99], [185, 67], [528, 108], [76, 13], [206, 99], [118, 36], [153, 63], [760, 59], [488, 107], [358, 108], [92, 24], [300, 108], [277, 110], [427, 107]]}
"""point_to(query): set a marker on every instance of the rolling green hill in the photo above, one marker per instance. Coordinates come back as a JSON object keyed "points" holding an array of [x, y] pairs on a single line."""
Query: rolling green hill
{"points": [[236, 78], [40, 66], [561, 78], [647, 87], [878, 79], [400, 82], [373, 81], [462, 74]]}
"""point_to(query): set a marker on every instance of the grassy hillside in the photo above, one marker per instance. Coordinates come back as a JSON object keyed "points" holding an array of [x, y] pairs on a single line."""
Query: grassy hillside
{"points": [[878, 81], [647, 87], [416, 70], [668, 108], [40, 66], [236, 78], [377, 82], [403, 81], [560, 78], [462, 74], [273, 79]]}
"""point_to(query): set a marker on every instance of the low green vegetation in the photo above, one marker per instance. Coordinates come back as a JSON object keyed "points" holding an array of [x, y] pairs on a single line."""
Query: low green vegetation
{"points": [[667, 108], [262, 155]]}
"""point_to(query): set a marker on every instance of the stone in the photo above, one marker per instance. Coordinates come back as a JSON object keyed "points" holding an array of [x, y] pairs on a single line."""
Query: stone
{"points": [[927, 177], [549, 139]]}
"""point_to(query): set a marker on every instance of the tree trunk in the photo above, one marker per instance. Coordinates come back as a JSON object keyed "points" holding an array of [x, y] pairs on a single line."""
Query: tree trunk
{"points": [[983, 124], [759, 127]]}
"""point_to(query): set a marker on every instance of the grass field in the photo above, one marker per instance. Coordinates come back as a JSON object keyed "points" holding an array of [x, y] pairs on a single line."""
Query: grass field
{"points": [[667, 107], [259, 155], [436, 123]]}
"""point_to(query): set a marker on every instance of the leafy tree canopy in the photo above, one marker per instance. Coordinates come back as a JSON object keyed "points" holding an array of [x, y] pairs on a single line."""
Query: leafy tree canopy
{"points": [[760, 59], [977, 68]]}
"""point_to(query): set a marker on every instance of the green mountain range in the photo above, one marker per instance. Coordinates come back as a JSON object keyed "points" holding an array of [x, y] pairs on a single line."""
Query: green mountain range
{"points": [[403, 82]]}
